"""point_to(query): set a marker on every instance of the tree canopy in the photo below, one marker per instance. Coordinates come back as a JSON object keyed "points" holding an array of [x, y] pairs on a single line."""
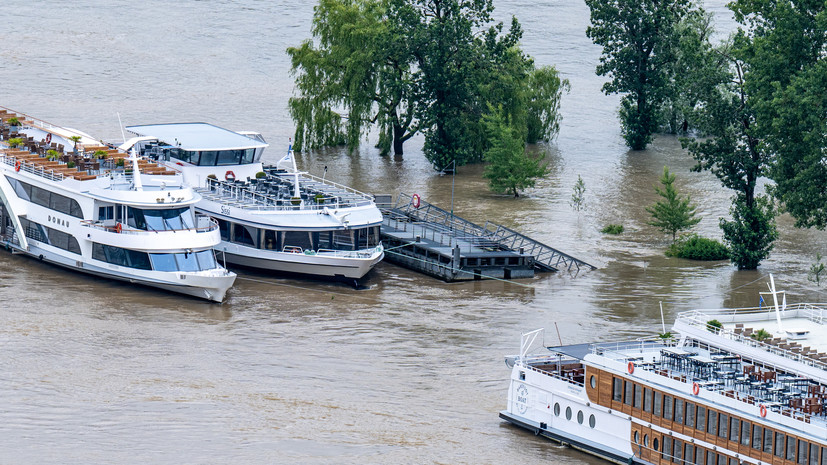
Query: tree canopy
{"points": [[640, 42], [410, 66], [674, 213], [510, 169]]}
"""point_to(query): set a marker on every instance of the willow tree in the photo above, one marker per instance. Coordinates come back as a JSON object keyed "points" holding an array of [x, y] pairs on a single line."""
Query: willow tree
{"points": [[358, 77], [639, 39]]}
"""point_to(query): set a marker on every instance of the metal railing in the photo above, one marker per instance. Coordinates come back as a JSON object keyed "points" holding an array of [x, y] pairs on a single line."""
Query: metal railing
{"points": [[241, 196], [205, 224]]}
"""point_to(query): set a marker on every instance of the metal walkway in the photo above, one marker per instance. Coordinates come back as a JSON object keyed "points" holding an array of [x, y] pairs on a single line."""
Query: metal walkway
{"points": [[445, 228]]}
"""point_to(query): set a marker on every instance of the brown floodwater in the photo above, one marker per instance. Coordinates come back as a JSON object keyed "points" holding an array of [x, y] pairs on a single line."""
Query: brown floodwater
{"points": [[408, 370]]}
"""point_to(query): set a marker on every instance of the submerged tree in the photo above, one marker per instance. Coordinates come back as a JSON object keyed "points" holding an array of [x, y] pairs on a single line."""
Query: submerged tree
{"points": [[674, 213], [639, 40], [510, 169]]}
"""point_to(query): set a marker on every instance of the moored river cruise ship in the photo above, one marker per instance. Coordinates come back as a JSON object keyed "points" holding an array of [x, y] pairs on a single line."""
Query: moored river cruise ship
{"points": [[273, 218], [730, 387], [70, 201]]}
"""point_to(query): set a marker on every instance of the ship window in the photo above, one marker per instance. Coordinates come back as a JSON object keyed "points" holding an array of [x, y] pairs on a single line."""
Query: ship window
{"points": [[667, 448], [645, 439], [722, 459], [40, 196], [733, 461], [712, 423], [629, 394], [802, 452], [647, 400], [637, 437], [756, 437], [249, 156], [297, 239], [593, 422], [791, 448], [655, 444], [120, 257], [690, 415], [677, 451], [813, 454], [230, 157], [208, 158], [679, 411], [106, 213], [241, 235], [823, 456], [160, 219], [723, 423], [667, 407], [710, 457], [699, 456], [59, 203], [779, 444], [557, 409], [734, 429], [592, 382], [638, 396], [206, 259], [768, 441], [269, 241], [224, 229], [745, 430], [617, 390], [700, 422], [186, 261], [580, 417], [689, 453], [23, 190], [568, 413]]}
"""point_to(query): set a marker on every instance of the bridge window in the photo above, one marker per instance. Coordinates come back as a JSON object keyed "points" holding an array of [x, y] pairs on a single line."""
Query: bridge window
{"points": [[166, 219]]}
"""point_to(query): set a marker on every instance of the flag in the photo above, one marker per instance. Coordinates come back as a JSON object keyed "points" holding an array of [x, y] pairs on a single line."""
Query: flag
{"points": [[760, 301]]}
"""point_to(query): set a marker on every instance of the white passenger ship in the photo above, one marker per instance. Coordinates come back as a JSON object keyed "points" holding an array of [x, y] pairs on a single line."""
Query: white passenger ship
{"points": [[738, 386], [271, 218], [68, 200]]}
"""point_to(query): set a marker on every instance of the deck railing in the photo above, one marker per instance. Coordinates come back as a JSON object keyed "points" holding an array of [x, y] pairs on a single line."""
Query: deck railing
{"points": [[204, 224], [240, 196]]}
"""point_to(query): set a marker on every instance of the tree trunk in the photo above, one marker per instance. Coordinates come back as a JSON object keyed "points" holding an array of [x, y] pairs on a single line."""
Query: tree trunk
{"points": [[398, 134]]}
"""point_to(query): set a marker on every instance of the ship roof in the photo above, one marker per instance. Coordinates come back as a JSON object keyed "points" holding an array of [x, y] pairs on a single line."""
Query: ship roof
{"points": [[196, 136]]}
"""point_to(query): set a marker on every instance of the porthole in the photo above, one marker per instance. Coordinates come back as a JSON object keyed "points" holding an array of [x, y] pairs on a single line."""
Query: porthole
{"points": [[592, 421], [592, 382], [637, 437], [568, 413], [580, 417], [655, 444], [645, 440], [557, 409]]}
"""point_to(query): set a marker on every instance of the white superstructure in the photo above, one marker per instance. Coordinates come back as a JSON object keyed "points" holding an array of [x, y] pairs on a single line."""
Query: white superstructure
{"points": [[724, 387], [271, 218], [90, 209]]}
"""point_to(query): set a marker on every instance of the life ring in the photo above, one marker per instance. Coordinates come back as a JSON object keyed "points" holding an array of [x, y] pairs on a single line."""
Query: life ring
{"points": [[415, 200], [17, 165], [762, 410], [118, 228], [49, 138], [229, 176], [630, 367], [696, 388]]}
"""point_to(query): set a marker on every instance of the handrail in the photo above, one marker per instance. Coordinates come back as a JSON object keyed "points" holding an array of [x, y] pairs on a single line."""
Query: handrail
{"points": [[98, 224]]}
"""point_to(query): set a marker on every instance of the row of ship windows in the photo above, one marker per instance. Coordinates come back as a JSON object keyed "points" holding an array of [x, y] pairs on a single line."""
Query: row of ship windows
{"points": [[268, 239], [580, 416], [715, 423], [45, 198]]}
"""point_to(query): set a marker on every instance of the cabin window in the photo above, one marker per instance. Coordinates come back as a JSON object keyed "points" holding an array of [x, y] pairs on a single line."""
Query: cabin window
{"points": [[689, 453], [40, 196], [121, 257], [343, 240], [667, 407], [298, 239], [723, 421], [779, 444], [224, 229], [791, 448], [733, 461], [655, 444], [617, 390], [183, 261], [700, 422], [712, 423], [667, 448], [106, 213], [593, 422], [745, 433], [22, 189], [269, 240], [813, 454], [699, 456], [734, 429], [768, 441], [63, 240], [160, 219], [658, 404], [802, 452], [580, 417], [568, 413], [629, 394], [690, 415], [229, 157], [823, 456], [756, 437], [647, 400], [241, 235], [556, 409], [208, 158], [679, 411], [677, 451], [722, 459], [710, 457], [638, 396]]}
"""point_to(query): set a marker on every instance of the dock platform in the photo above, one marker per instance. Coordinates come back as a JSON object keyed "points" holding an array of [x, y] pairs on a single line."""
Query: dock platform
{"points": [[428, 239]]}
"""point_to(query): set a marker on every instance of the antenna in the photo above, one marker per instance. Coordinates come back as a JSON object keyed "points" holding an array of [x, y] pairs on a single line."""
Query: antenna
{"points": [[120, 124], [662, 322]]}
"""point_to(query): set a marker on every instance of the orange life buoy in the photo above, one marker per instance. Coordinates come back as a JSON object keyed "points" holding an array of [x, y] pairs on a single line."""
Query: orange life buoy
{"points": [[631, 367], [762, 410], [415, 200], [17, 165], [118, 228], [229, 176], [696, 388]]}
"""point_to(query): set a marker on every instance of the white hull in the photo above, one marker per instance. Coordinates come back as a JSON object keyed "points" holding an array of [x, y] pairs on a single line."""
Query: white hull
{"points": [[319, 264]]}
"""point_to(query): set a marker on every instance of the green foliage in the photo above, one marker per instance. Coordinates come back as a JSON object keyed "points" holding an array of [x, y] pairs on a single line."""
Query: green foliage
{"points": [[13, 121], [751, 233], [761, 335], [665, 337], [15, 142], [814, 275], [694, 247], [70, 164], [674, 213], [612, 229], [578, 195], [545, 88], [120, 162], [714, 326], [510, 169], [261, 175], [639, 40], [52, 154], [99, 154]]}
